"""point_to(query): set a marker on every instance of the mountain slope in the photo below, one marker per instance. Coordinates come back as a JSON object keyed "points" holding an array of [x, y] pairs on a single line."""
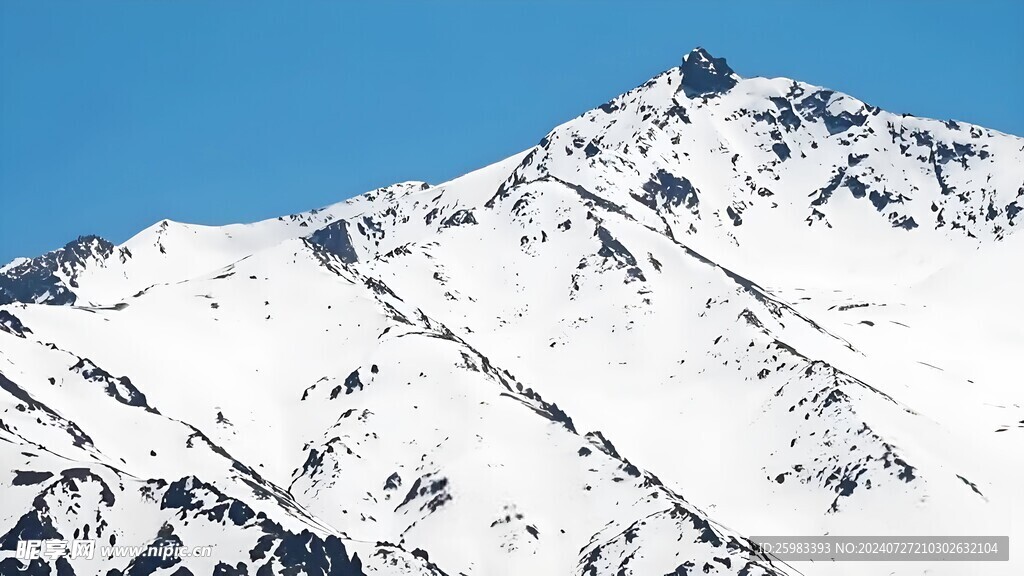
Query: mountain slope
{"points": [[712, 307]]}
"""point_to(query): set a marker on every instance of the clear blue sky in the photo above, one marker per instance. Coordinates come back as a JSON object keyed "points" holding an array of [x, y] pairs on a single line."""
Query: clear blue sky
{"points": [[114, 115]]}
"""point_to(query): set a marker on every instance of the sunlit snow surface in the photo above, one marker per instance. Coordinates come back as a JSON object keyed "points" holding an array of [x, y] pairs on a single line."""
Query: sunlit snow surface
{"points": [[711, 308]]}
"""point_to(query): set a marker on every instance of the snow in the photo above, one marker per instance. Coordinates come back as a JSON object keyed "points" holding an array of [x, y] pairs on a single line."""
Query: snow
{"points": [[618, 352]]}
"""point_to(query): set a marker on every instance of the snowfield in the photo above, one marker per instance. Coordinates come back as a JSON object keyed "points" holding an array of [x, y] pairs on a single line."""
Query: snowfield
{"points": [[709, 309]]}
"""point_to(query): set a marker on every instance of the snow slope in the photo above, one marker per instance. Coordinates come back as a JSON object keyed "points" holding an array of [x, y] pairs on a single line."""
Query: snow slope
{"points": [[711, 308]]}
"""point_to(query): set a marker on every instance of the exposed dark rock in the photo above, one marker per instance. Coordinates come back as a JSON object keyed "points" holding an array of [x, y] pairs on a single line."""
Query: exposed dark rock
{"points": [[80, 438], [120, 388], [705, 75], [335, 238], [815, 107], [781, 150], [37, 280], [28, 477], [459, 218], [665, 189], [12, 325], [613, 249]]}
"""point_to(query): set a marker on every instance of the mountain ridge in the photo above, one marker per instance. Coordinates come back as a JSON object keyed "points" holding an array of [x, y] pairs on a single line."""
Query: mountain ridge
{"points": [[855, 178], [724, 280]]}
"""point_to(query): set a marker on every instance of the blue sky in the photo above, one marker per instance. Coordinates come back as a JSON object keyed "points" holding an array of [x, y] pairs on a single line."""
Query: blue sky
{"points": [[114, 115]]}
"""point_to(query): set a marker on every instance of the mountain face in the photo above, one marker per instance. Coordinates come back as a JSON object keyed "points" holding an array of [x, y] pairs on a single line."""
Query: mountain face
{"points": [[711, 308], [52, 277]]}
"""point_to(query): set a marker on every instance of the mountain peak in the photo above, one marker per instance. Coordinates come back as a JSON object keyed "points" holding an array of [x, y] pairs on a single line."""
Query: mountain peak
{"points": [[704, 75], [700, 53], [89, 242], [322, 376], [50, 277]]}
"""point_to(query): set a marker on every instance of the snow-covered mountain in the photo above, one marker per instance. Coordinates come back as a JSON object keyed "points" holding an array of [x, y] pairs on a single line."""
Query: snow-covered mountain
{"points": [[711, 308]]}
